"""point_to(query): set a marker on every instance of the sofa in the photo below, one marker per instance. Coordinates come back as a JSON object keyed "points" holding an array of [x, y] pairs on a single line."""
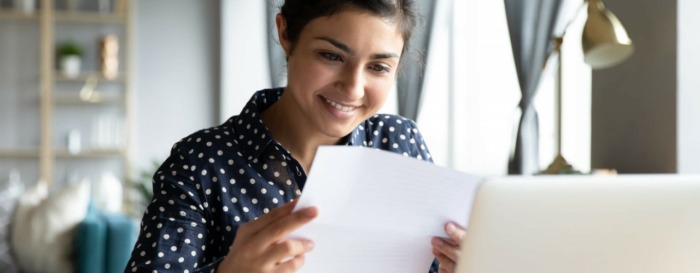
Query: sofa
{"points": [[64, 231]]}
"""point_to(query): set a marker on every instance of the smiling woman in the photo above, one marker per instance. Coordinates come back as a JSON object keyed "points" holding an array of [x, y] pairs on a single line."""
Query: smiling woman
{"points": [[219, 199], [337, 79]]}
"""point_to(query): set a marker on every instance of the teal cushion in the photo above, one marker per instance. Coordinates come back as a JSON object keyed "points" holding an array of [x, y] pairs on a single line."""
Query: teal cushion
{"points": [[91, 242], [104, 241], [121, 237]]}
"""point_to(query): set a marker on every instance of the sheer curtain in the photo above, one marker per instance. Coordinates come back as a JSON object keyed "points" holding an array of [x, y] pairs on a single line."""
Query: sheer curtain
{"points": [[531, 24], [410, 82], [278, 68]]}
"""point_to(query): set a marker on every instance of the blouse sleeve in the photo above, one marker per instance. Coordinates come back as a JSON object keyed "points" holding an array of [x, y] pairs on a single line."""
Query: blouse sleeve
{"points": [[416, 143], [395, 134], [173, 231]]}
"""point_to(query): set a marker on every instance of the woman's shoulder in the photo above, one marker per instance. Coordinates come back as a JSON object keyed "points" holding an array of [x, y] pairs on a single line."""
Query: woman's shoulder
{"points": [[396, 134], [209, 139], [390, 125]]}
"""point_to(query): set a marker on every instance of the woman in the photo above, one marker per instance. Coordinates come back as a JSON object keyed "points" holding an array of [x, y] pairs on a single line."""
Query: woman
{"points": [[219, 197]]}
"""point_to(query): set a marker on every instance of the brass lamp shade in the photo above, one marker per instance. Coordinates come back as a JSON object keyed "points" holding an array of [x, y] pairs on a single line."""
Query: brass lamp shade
{"points": [[605, 40]]}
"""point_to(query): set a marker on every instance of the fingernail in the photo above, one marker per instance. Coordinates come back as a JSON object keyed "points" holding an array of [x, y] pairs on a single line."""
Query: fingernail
{"points": [[437, 241], [451, 228], [310, 212], [310, 245]]}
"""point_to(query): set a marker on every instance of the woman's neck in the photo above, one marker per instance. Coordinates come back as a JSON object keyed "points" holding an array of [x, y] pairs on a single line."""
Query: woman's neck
{"points": [[290, 128]]}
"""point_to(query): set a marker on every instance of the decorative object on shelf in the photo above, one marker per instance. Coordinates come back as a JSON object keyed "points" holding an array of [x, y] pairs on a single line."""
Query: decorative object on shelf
{"points": [[74, 142], [25, 6], [109, 57], [88, 93], [108, 132], [605, 44], [69, 55]]}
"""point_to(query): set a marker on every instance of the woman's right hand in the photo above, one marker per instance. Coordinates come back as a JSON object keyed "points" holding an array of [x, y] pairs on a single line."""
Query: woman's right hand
{"points": [[260, 246]]}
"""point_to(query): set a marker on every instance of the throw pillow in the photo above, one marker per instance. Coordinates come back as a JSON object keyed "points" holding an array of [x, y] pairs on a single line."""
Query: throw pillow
{"points": [[44, 228], [9, 194]]}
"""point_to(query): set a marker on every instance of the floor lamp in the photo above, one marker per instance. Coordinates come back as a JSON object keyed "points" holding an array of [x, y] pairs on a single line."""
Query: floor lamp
{"points": [[605, 43]]}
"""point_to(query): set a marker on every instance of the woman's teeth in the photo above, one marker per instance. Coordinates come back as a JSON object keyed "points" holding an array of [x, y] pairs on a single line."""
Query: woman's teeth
{"points": [[340, 107]]}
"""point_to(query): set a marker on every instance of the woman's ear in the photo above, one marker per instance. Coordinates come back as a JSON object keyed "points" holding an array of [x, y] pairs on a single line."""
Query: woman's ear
{"points": [[282, 33]]}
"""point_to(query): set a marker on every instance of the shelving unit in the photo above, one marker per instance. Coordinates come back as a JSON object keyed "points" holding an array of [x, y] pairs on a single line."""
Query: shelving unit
{"points": [[92, 153], [86, 74], [49, 152], [19, 153], [13, 15], [89, 17]]}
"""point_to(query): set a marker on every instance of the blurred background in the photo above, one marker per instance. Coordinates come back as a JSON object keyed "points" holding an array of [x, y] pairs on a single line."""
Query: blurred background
{"points": [[93, 93]]}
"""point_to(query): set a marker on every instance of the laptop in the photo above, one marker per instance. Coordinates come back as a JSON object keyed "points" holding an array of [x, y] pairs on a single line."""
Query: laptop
{"points": [[577, 224]]}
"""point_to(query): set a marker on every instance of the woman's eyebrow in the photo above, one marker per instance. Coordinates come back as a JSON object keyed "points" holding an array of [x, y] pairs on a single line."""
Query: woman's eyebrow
{"points": [[350, 51], [385, 56], [337, 44]]}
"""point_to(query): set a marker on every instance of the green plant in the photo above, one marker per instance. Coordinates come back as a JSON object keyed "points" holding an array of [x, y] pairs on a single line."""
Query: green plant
{"points": [[143, 187], [68, 49]]}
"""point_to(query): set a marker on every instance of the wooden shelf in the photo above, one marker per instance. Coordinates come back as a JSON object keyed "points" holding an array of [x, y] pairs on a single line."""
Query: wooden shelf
{"points": [[91, 153], [19, 153], [76, 100], [83, 77], [102, 94], [34, 153], [88, 17], [8, 14]]}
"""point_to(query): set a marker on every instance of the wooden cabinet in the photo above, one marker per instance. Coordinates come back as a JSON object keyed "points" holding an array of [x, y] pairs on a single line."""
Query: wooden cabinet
{"points": [[54, 127]]}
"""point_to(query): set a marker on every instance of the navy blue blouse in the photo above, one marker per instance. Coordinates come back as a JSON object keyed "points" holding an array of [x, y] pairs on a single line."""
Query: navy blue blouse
{"points": [[220, 178]]}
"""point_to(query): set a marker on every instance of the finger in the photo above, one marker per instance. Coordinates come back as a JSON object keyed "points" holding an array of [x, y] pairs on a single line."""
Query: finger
{"points": [[446, 248], [281, 228], [292, 265], [446, 265], [267, 219], [289, 248], [456, 232]]}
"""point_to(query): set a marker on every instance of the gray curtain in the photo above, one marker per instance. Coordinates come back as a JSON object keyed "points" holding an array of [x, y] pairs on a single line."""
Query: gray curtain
{"points": [[410, 81], [531, 24], [277, 62]]}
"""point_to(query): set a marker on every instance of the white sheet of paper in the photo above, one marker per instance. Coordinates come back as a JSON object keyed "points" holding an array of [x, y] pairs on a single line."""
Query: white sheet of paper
{"points": [[379, 210]]}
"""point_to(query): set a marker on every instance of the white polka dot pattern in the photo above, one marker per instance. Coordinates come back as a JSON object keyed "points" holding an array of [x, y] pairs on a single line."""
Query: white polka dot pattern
{"points": [[219, 178]]}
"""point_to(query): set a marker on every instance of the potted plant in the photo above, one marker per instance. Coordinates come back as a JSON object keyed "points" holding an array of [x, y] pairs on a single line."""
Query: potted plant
{"points": [[69, 56]]}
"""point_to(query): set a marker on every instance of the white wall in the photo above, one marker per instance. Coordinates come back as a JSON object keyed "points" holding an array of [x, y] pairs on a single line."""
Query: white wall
{"points": [[176, 73], [688, 87], [245, 65]]}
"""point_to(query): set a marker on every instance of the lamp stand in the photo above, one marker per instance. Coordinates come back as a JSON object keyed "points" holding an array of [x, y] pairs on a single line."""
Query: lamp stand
{"points": [[559, 165]]}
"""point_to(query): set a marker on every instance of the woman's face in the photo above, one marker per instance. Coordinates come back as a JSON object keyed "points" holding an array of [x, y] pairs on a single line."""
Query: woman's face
{"points": [[341, 69]]}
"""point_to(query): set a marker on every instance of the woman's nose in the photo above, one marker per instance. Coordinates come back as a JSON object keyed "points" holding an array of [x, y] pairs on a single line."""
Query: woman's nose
{"points": [[352, 83]]}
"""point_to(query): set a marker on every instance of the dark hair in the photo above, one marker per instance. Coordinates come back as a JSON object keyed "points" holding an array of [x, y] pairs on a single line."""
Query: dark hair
{"points": [[298, 13]]}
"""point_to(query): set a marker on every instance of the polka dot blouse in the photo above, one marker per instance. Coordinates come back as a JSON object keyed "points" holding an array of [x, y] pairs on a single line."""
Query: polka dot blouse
{"points": [[219, 178]]}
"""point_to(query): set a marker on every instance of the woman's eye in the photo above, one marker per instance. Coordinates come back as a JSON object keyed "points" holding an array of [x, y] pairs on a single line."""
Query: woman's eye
{"points": [[380, 68], [331, 56]]}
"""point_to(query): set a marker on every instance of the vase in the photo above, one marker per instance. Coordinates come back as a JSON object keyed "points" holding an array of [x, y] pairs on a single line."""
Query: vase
{"points": [[70, 66]]}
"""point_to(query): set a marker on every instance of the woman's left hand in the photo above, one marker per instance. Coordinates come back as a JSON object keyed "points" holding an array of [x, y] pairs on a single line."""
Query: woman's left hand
{"points": [[447, 250]]}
